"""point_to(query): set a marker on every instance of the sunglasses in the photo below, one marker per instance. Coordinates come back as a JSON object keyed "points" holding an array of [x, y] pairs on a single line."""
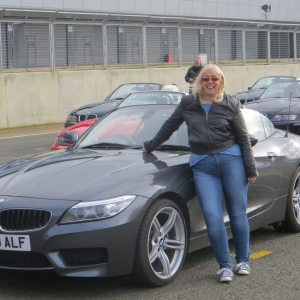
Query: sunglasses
{"points": [[214, 79]]}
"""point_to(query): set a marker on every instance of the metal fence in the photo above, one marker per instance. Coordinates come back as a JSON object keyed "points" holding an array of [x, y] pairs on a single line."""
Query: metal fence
{"points": [[48, 40]]}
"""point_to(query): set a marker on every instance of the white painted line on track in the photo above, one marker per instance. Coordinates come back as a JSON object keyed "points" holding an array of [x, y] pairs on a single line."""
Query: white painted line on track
{"points": [[12, 137]]}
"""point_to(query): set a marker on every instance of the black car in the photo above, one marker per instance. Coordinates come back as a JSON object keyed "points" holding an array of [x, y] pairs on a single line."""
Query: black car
{"points": [[118, 94], [281, 104], [136, 98], [104, 208], [255, 91]]}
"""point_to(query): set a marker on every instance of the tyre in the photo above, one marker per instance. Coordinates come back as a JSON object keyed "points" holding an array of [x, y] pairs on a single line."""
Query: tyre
{"points": [[161, 245], [292, 215]]}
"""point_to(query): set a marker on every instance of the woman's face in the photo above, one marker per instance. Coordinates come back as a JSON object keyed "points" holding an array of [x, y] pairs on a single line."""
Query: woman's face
{"points": [[211, 82]]}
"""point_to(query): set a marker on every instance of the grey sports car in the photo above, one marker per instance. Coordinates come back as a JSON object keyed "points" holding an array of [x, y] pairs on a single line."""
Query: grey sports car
{"points": [[105, 208]]}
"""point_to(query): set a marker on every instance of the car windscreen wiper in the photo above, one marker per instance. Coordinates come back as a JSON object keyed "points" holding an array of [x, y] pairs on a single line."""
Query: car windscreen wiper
{"points": [[173, 147], [106, 146], [111, 146]]}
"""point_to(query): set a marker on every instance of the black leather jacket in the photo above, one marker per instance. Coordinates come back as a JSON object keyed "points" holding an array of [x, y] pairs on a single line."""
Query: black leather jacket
{"points": [[223, 127], [193, 72]]}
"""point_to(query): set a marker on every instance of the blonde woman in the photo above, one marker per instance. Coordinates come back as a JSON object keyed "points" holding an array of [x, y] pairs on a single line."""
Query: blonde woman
{"points": [[222, 162]]}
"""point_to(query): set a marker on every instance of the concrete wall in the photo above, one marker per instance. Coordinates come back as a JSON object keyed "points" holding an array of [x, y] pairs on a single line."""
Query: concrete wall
{"points": [[47, 97]]}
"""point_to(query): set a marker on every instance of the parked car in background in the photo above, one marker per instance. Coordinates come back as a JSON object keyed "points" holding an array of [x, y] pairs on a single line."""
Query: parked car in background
{"points": [[104, 208], [127, 88], [118, 94], [87, 117], [281, 104], [80, 114], [255, 91]]}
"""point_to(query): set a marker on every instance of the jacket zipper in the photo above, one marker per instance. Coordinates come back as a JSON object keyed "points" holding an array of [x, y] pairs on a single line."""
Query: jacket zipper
{"points": [[208, 135], [206, 124]]}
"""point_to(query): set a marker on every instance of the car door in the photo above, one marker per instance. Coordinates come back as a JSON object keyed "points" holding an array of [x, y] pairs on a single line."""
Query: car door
{"points": [[264, 191]]}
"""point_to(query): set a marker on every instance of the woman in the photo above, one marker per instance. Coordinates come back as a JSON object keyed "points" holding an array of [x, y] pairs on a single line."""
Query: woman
{"points": [[222, 162]]}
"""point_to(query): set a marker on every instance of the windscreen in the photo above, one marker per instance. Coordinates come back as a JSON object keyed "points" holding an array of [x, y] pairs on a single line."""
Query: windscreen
{"points": [[127, 89], [264, 82], [152, 98], [133, 126], [283, 89]]}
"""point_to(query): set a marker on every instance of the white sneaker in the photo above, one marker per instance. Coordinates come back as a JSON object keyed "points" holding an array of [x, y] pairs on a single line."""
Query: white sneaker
{"points": [[225, 275], [243, 269]]}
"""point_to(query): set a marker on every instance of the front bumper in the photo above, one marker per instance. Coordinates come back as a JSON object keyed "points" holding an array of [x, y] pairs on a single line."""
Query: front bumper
{"points": [[88, 249]]}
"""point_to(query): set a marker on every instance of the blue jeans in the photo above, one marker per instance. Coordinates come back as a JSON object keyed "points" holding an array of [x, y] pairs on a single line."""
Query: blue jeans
{"points": [[214, 176]]}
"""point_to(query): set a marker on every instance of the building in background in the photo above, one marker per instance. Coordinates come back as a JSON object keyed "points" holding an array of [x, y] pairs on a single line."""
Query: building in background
{"points": [[63, 34]]}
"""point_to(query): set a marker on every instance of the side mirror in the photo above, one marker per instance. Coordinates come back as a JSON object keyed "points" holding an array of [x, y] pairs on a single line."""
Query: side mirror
{"points": [[253, 140], [70, 137], [249, 88]]}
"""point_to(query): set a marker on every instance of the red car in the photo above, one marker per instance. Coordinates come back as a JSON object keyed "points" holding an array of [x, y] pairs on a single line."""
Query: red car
{"points": [[80, 127]]}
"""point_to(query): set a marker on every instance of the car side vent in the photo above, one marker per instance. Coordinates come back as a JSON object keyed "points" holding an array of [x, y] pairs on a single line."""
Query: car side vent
{"points": [[23, 219], [84, 256]]}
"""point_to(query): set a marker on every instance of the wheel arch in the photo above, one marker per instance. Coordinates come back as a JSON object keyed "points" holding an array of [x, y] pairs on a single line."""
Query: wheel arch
{"points": [[181, 203], [290, 222]]}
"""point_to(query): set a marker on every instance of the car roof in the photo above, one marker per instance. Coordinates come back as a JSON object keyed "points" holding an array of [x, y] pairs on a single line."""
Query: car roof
{"points": [[284, 82]]}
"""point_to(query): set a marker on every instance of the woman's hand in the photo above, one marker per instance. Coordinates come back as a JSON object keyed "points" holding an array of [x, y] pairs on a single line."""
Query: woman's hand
{"points": [[252, 179]]}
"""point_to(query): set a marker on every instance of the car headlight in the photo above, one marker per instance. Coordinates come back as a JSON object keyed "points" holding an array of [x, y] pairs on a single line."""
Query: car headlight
{"points": [[96, 210], [72, 118], [284, 118]]}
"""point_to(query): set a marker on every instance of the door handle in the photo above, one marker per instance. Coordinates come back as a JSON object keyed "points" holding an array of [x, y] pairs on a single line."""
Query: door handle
{"points": [[272, 156]]}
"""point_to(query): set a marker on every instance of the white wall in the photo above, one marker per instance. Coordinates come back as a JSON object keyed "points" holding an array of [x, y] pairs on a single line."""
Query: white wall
{"points": [[38, 98]]}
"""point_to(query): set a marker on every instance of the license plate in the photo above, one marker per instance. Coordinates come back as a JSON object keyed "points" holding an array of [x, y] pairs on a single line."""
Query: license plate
{"points": [[15, 242]]}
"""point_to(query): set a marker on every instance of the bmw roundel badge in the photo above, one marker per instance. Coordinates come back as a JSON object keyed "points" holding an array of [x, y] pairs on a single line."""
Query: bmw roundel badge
{"points": [[2, 200]]}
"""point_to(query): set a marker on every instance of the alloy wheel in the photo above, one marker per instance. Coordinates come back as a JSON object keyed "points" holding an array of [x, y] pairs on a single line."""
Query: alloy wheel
{"points": [[166, 242]]}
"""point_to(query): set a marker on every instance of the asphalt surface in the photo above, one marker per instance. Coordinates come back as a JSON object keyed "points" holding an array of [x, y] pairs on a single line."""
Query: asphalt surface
{"points": [[274, 276], [274, 258], [22, 141], [30, 130]]}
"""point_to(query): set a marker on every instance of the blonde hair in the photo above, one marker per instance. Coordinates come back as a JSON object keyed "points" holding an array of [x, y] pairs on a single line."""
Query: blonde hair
{"points": [[198, 88]]}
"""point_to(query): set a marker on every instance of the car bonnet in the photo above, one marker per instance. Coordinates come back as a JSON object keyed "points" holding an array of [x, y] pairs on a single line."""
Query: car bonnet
{"points": [[90, 175], [273, 106]]}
